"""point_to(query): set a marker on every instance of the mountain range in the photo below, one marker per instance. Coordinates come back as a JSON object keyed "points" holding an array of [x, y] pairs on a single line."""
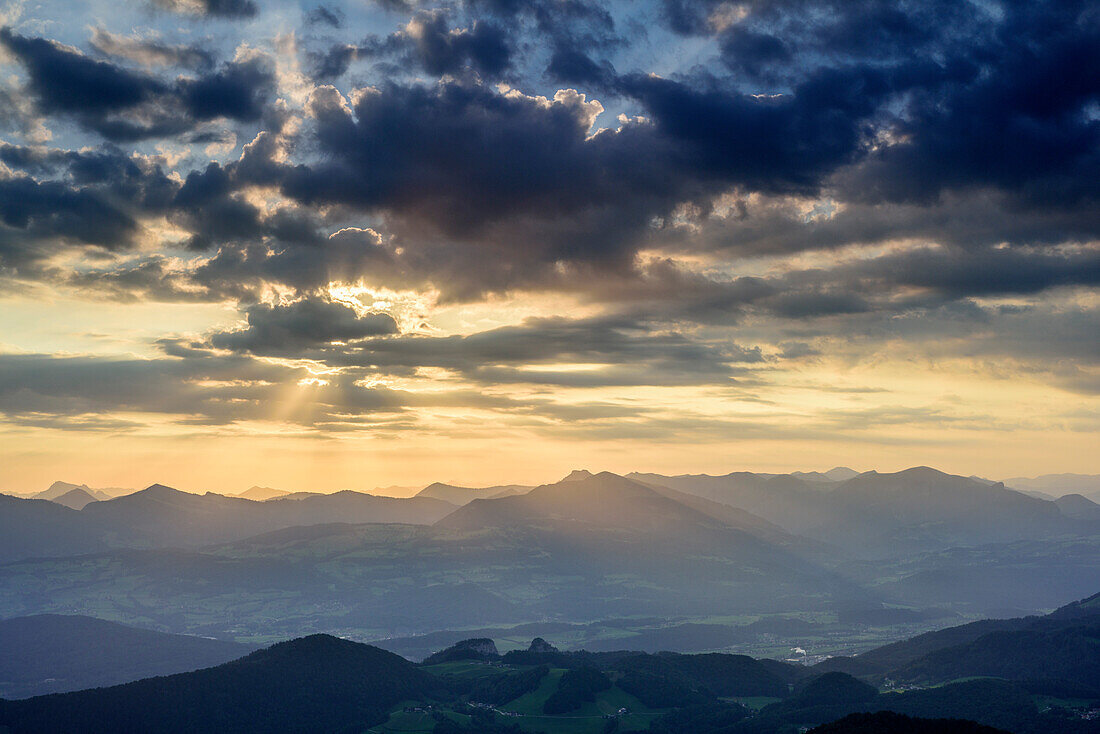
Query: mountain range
{"points": [[699, 562], [160, 516], [463, 495], [1031, 675], [1057, 485], [877, 515]]}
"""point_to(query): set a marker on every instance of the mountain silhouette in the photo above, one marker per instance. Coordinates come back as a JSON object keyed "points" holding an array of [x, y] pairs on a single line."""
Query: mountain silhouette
{"points": [[162, 516], [313, 684], [1079, 507], [875, 514], [32, 528], [76, 499], [464, 495], [260, 494]]}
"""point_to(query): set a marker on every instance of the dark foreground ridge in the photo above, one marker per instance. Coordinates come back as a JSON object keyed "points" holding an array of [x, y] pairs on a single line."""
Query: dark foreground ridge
{"points": [[314, 684], [1045, 679]]}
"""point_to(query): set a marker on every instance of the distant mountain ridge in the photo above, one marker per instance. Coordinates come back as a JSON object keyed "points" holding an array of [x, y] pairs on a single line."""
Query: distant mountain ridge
{"points": [[464, 495], [76, 499], [260, 494], [583, 549], [1078, 506], [875, 514], [160, 516], [59, 489], [606, 500], [1057, 485], [40, 528], [898, 548]]}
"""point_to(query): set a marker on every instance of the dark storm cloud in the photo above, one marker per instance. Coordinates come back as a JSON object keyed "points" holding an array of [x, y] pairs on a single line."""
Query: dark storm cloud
{"points": [[210, 206], [462, 155], [1000, 95], [325, 15], [65, 80], [582, 18], [125, 105], [429, 43], [788, 143], [777, 226], [212, 8], [35, 160], [481, 190], [286, 329], [469, 162], [440, 50], [336, 60], [988, 272], [139, 181], [239, 91], [92, 197], [570, 64], [32, 214], [962, 136]]}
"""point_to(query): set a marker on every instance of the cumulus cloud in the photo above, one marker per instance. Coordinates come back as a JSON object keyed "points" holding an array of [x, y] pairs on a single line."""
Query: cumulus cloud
{"points": [[427, 42], [726, 190], [124, 105], [287, 329]]}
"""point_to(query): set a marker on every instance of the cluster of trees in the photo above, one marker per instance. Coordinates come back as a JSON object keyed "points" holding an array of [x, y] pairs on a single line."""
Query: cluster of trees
{"points": [[499, 690], [576, 688]]}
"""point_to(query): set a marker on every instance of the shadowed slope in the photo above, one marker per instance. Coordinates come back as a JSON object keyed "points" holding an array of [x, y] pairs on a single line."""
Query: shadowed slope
{"points": [[314, 684], [39, 528], [53, 653]]}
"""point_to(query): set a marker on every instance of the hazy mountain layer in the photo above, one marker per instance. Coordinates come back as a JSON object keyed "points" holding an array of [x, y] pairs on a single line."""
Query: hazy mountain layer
{"points": [[40, 528], [76, 499], [463, 495], [880, 515], [162, 517], [577, 550]]}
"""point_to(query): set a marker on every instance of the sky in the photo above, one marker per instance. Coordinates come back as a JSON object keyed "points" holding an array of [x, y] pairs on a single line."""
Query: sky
{"points": [[336, 245]]}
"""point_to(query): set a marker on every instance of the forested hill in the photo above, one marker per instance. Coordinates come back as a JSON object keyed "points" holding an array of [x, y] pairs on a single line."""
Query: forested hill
{"points": [[325, 684], [313, 684]]}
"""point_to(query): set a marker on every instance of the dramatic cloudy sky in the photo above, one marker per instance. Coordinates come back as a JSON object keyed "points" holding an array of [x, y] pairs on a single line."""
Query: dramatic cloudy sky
{"points": [[359, 243]]}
